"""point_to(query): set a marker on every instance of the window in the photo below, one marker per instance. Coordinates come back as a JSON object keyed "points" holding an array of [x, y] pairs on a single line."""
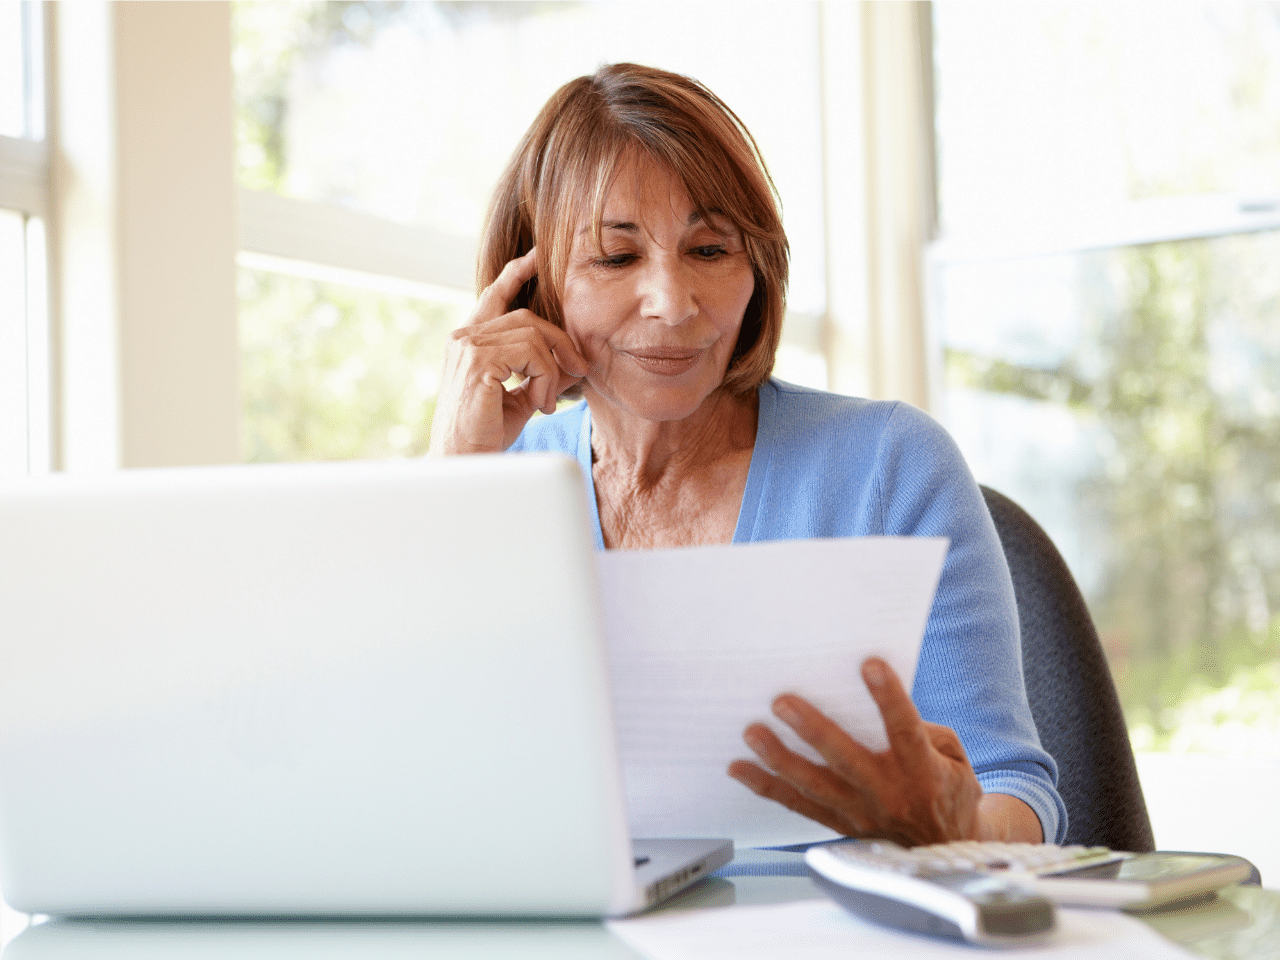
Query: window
{"points": [[343, 123], [1105, 297], [24, 327]]}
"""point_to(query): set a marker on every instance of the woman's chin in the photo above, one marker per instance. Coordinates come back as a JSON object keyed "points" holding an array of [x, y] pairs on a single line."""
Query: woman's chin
{"points": [[662, 403]]}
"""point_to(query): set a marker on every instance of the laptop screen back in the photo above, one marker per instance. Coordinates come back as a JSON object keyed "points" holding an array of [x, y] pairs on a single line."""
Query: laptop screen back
{"points": [[316, 689]]}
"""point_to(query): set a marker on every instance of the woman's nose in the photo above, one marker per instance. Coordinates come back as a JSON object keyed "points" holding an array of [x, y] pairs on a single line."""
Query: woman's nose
{"points": [[667, 291]]}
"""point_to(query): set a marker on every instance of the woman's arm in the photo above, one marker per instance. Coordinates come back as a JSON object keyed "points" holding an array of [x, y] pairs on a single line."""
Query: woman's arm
{"points": [[969, 675], [1005, 818], [475, 413]]}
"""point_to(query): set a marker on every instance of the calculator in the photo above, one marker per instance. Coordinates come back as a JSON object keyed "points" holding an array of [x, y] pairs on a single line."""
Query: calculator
{"points": [[1086, 876], [1000, 894], [886, 884]]}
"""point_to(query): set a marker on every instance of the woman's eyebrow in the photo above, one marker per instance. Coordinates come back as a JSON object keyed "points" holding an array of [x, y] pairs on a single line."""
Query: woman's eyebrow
{"points": [[695, 217], [611, 225]]}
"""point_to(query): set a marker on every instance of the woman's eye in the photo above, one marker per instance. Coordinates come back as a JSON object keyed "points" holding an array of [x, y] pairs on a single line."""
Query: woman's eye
{"points": [[615, 260], [710, 252]]}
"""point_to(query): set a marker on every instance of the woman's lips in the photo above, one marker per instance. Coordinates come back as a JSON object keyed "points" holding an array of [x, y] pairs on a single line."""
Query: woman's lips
{"points": [[666, 361]]}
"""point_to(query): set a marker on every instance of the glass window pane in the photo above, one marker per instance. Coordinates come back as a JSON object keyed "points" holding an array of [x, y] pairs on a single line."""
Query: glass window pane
{"points": [[1045, 110], [33, 24], [332, 371], [12, 86], [1129, 400]]}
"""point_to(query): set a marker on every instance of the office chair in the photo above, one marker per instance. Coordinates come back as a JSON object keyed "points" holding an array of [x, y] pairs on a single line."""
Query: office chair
{"points": [[1073, 698]]}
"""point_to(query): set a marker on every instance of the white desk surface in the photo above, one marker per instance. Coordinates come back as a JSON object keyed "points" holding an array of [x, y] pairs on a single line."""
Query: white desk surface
{"points": [[1242, 923]]}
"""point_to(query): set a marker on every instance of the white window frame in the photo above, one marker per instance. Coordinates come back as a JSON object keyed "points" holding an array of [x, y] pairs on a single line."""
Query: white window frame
{"points": [[288, 235], [24, 176], [140, 211]]}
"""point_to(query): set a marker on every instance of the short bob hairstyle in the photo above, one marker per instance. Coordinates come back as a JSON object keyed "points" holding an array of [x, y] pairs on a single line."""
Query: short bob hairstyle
{"points": [[566, 163]]}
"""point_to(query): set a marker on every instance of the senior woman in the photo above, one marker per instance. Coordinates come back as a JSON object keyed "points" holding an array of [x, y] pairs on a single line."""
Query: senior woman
{"points": [[634, 255]]}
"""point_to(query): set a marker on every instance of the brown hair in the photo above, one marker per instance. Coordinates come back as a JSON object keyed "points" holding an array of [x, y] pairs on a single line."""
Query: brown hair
{"points": [[566, 163]]}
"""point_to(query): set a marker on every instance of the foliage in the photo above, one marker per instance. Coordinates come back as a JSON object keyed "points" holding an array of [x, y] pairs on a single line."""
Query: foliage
{"points": [[1241, 718], [331, 372]]}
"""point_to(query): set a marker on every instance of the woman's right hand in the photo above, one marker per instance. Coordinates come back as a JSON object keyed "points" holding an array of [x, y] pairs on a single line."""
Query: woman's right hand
{"points": [[475, 413]]}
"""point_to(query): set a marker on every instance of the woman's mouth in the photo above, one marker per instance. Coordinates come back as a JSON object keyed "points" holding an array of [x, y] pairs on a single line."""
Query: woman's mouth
{"points": [[667, 361]]}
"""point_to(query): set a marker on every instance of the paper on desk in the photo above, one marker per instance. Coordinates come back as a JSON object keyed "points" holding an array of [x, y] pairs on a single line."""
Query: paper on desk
{"points": [[821, 930], [702, 639]]}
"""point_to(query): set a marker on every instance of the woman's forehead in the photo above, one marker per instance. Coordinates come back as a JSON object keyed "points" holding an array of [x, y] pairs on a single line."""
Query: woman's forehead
{"points": [[643, 190]]}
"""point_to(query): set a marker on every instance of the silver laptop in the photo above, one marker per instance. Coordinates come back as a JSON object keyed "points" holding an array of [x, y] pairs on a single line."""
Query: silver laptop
{"points": [[338, 689]]}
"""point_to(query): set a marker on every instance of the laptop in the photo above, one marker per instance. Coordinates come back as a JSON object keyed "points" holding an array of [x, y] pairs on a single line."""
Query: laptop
{"points": [[358, 689]]}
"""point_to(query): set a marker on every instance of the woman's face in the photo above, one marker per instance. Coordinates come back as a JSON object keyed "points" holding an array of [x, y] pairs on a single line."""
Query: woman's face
{"points": [[657, 316]]}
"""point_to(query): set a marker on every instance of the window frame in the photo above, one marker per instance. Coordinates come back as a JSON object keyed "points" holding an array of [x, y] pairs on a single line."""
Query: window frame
{"points": [[24, 176]]}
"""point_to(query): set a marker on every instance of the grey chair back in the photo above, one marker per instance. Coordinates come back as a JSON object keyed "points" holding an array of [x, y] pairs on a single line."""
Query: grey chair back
{"points": [[1073, 698]]}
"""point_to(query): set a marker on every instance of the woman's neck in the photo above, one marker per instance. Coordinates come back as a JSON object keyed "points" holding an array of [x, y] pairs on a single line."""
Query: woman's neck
{"points": [[672, 484], [652, 452]]}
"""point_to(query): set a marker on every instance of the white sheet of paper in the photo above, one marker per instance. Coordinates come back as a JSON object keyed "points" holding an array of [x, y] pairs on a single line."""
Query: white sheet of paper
{"points": [[701, 639], [821, 930]]}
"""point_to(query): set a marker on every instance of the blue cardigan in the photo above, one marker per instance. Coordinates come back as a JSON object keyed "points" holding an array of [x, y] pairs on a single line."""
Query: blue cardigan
{"points": [[826, 465]]}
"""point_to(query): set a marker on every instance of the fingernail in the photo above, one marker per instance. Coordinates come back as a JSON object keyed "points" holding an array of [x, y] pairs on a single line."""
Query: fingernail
{"points": [[753, 740], [786, 714], [873, 673]]}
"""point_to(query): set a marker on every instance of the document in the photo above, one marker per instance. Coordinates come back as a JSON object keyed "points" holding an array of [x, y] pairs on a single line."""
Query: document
{"points": [[821, 930], [701, 639]]}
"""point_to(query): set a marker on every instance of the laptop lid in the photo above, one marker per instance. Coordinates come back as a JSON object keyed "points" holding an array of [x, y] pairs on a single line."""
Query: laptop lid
{"points": [[362, 688]]}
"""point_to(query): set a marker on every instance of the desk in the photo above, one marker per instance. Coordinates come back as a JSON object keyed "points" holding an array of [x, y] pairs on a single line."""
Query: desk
{"points": [[1243, 923]]}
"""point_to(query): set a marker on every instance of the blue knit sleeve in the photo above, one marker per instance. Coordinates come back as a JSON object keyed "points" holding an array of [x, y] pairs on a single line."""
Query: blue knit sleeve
{"points": [[970, 672]]}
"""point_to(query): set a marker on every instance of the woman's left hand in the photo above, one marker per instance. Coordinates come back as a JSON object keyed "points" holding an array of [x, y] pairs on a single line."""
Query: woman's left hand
{"points": [[921, 790]]}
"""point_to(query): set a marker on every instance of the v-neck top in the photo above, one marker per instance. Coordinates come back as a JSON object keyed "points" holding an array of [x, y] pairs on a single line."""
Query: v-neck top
{"points": [[828, 465]]}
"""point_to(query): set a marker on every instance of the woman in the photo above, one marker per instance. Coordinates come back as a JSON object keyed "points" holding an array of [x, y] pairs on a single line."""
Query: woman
{"points": [[634, 255]]}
